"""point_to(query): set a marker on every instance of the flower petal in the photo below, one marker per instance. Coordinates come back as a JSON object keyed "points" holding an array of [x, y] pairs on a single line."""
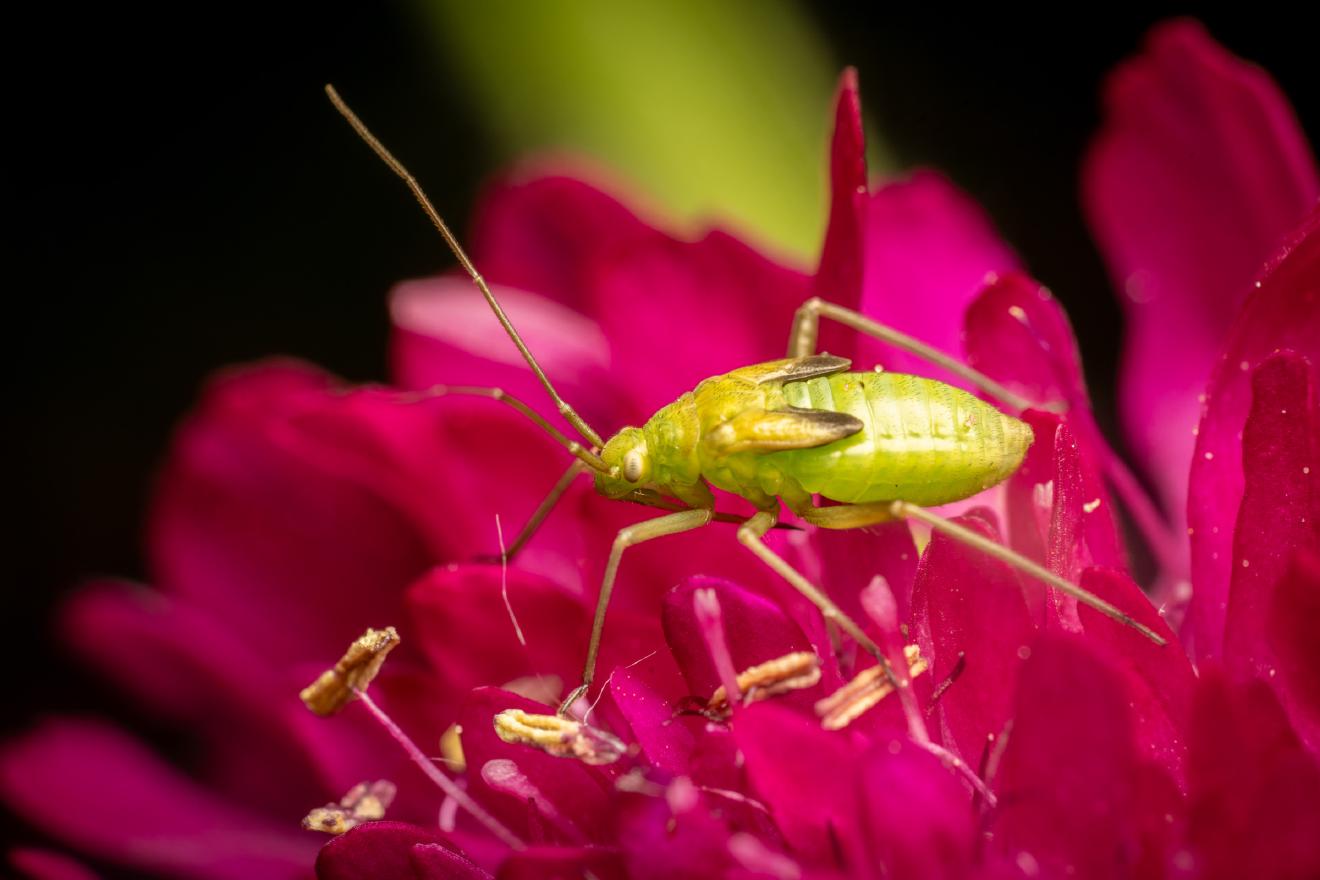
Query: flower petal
{"points": [[296, 512], [561, 863], [185, 668], [971, 620], [542, 232], [1199, 173], [839, 275], [782, 749], [41, 864], [756, 629], [1254, 800], [1280, 508], [445, 334], [1293, 622], [96, 788], [435, 861], [381, 851], [929, 249], [679, 312], [916, 817], [1283, 312], [1068, 784]]}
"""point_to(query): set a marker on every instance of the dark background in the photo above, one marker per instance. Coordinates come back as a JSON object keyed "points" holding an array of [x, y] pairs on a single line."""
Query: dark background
{"points": [[187, 201]]}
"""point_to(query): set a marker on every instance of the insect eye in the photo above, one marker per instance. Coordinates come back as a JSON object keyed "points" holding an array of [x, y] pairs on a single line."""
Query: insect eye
{"points": [[632, 466]]}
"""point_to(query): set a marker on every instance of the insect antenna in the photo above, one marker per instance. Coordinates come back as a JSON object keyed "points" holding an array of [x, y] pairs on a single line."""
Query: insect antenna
{"points": [[579, 424]]}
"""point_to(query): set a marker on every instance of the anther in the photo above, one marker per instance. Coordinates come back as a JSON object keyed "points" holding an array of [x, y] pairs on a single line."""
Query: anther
{"points": [[782, 675], [561, 737], [365, 802], [867, 688], [333, 689]]}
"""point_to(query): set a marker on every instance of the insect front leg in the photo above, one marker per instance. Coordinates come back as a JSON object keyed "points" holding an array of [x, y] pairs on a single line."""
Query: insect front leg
{"points": [[673, 524], [806, 331]]}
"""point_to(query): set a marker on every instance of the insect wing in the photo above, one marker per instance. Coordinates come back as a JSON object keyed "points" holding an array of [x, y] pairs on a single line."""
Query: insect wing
{"points": [[761, 430]]}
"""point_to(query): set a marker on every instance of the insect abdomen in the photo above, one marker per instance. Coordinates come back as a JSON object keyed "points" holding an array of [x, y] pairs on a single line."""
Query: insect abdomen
{"points": [[924, 441]]}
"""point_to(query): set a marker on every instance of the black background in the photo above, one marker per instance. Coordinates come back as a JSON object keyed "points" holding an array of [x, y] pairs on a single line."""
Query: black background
{"points": [[184, 198]]}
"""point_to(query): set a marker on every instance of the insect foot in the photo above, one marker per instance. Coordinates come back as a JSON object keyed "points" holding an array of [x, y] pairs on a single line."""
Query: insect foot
{"points": [[867, 688], [561, 737], [355, 670], [782, 675]]}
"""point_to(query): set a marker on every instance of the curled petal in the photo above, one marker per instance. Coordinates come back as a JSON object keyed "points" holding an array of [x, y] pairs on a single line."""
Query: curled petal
{"points": [[929, 249], [842, 257], [1199, 173], [380, 851], [1280, 510], [972, 618], [100, 790], [1294, 619], [1282, 312]]}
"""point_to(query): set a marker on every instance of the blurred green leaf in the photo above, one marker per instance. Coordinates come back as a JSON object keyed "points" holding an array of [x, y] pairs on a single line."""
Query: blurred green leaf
{"points": [[716, 110]]}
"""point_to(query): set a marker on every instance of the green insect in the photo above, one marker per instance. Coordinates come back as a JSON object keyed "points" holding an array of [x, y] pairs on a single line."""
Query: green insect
{"points": [[884, 446]]}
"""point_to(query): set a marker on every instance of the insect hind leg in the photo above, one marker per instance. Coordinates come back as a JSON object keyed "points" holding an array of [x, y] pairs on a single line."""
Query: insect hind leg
{"points": [[806, 331], [963, 535]]}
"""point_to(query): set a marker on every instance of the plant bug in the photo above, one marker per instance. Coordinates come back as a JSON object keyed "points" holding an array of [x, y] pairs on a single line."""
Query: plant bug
{"points": [[785, 431]]}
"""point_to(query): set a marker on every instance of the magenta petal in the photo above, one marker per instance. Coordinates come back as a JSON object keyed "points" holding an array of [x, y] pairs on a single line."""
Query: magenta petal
{"points": [[1283, 312], [1067, 786], [466, 631], [679, 312], [1018, 334], [41, 864], [295, 512], [971, 616], [445, 334], [561, 863], [916, 818], [97, 789], [1280, 508], [1199, 173], [839, 274], [929, 249], [782, 750], [541, 231], [377, 851], [1254, 800], [637, 712], [1291, 634], [1158, 679], [435, 861], [755, 628], [184, 667], [673, 836]]}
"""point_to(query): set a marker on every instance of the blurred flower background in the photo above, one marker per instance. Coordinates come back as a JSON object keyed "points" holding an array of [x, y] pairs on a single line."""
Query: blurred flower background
{"points": [[188, 200]]}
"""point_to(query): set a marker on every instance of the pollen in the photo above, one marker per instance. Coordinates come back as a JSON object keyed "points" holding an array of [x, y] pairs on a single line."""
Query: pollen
{"points": [[867, 688], [561, 737], [365, 802], [355, 670], [791, 672]]}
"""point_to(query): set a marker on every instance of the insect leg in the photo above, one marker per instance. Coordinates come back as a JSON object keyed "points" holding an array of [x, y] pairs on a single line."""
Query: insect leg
{"points": [[672, 524], [751, 535], [806, 330], [903, 509], [579, 424]]}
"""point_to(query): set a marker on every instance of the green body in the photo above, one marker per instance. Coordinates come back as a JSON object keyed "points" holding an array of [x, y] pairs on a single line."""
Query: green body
{"points": [[847, 436]]}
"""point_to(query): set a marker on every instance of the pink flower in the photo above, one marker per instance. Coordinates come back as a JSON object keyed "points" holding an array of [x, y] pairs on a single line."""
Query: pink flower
{"points": [[1043, 739]]}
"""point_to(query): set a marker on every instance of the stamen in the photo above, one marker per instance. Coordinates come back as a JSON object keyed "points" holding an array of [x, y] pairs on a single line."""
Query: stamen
{"points": [[365, 802], [443, 782], [354, 671], [791, 672], [867, 688], [561, 737]]}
